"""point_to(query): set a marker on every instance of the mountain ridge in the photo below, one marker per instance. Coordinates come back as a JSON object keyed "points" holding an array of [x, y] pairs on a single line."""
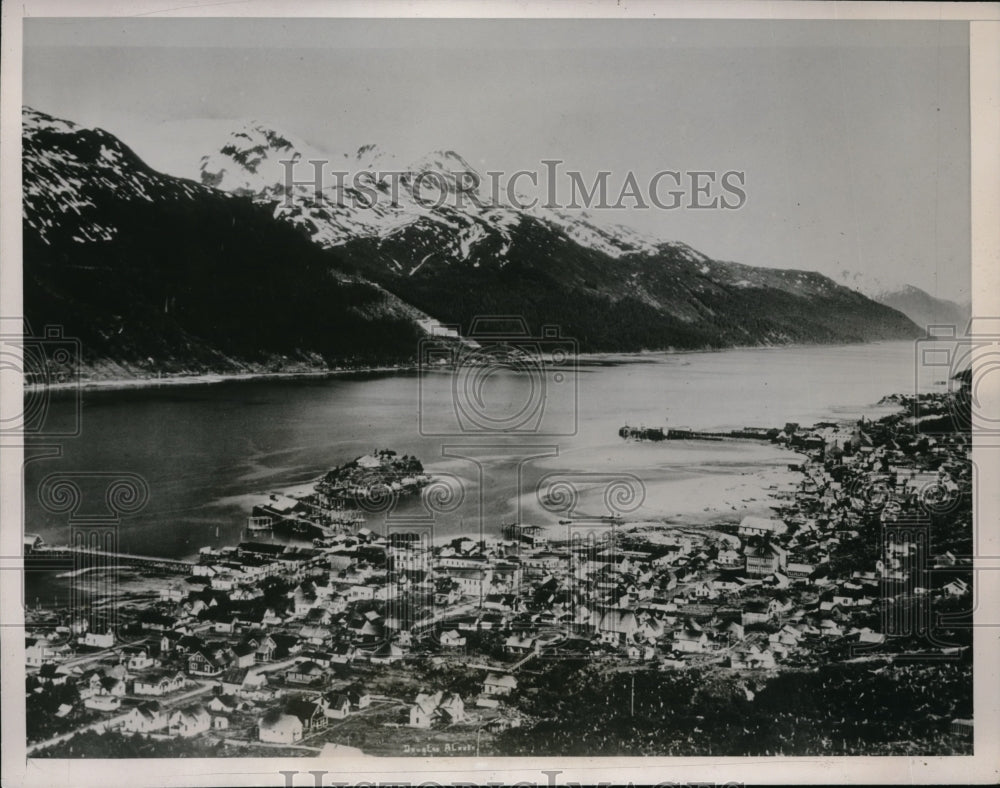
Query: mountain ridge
{"points": [[156, 274], [924, 309], [319, 269]]}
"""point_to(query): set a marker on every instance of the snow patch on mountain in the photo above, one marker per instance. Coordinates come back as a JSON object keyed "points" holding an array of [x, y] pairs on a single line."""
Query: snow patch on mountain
{"points": [[255, 159], [70, 172], [378, 199]]}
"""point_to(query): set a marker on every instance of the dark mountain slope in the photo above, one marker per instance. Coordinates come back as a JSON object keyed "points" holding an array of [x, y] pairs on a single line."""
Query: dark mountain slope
{"points": [[154, 273], [672, 298], [612, 288], [159, 274]]}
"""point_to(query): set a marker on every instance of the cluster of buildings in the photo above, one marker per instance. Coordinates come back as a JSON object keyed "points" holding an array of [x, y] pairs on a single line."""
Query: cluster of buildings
{"points": [[263, 639], [337, 502]]}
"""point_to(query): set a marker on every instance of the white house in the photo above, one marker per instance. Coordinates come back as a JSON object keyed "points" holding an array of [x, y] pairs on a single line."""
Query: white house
{"points": [[41, 650], [452, 708], [765, 560], [499, 684], [138, 658], [336, 706], [190, 721], [98, 639], [103, 702], [426, 708], [690, 639], [451, 639], [360, 697], [278, 728], [159, 683], [515, 644], [728, 557], [144, 718], [223, 704]]}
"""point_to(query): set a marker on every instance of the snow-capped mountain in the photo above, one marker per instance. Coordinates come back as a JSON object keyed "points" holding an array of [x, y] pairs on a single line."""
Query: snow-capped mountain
{"points": [[352, 201], [71, 173], [249, 162], [273, 167], [159, 274]]}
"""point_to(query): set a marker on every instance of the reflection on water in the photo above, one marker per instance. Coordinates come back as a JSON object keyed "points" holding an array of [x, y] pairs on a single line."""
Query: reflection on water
{"points": [[204, 448]]}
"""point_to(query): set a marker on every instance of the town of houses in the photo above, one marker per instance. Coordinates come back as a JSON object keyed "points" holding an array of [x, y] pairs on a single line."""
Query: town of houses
{"points": [[281, 645]]}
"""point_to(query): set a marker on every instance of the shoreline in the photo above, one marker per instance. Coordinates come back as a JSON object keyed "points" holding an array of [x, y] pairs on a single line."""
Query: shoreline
{"points": [[645, 353], [753, 490], [207, 378]]}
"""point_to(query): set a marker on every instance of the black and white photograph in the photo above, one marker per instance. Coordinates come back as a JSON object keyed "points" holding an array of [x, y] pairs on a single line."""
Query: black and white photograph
{"points": [[450, 389]]}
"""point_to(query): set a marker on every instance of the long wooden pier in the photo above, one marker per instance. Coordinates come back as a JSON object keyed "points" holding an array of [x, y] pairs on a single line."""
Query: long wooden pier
{"points": [[62, 557], [661, 434], [732, 435]]}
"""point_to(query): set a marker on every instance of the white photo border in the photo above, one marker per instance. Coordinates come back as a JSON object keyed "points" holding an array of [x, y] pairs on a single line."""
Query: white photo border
{"points": [[983, 767]]}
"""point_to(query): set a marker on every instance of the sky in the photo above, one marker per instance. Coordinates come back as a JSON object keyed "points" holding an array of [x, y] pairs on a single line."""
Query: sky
{"points": [[853, 136]]}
